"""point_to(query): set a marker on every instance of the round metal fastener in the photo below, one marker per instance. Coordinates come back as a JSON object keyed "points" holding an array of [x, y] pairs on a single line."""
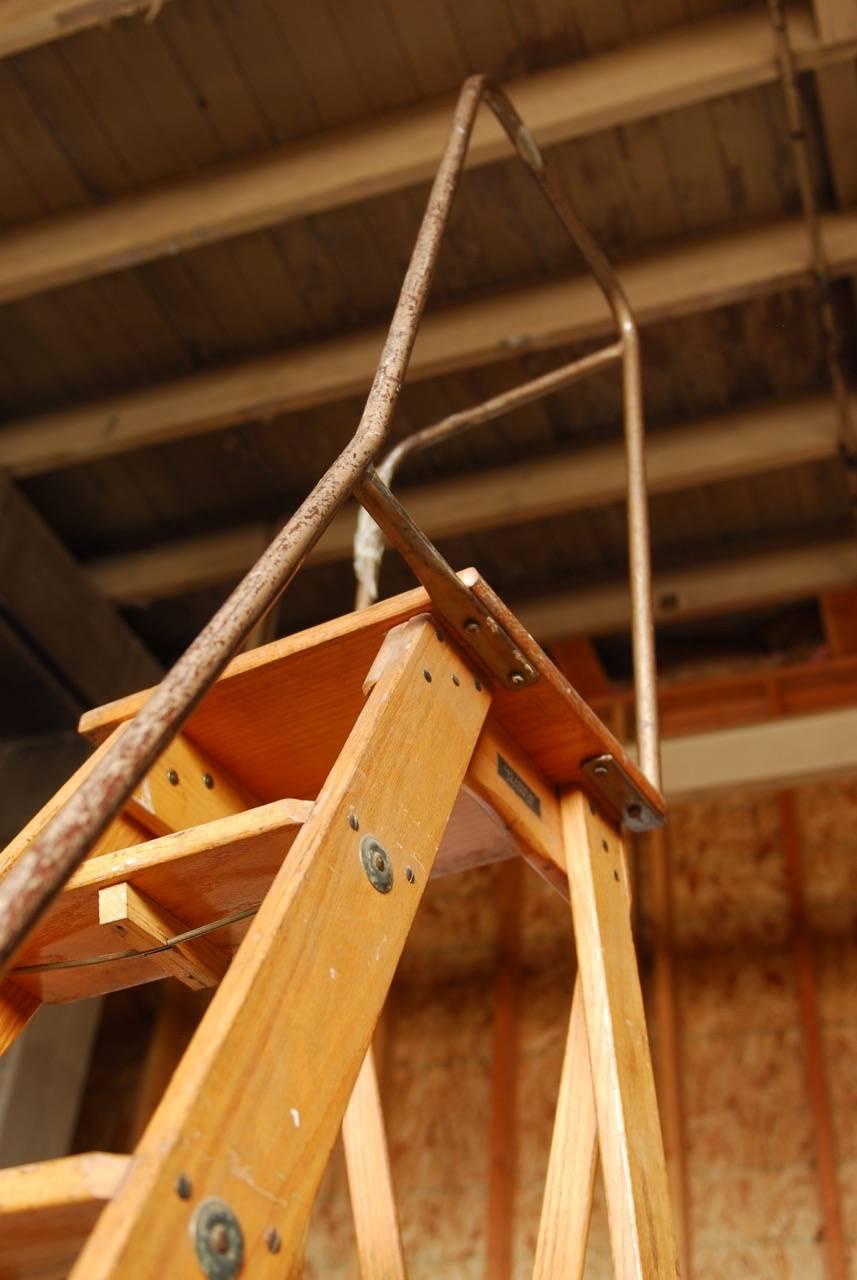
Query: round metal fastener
{"points": [[409, 875], [273, 1240], [183, 1187], [218, 1240], [172, 778], [208, 781], [376, 863]]}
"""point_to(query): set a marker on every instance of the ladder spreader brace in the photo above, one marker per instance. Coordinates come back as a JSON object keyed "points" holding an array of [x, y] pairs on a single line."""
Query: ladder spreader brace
{"points": [[187, 833]]}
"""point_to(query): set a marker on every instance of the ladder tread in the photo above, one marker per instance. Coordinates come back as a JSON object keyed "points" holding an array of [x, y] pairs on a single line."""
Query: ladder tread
{"points": [[279, 715]]}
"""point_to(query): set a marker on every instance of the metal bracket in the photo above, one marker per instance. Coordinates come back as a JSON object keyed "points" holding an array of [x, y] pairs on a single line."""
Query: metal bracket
{"points": [[620, 793], [471, 622]]}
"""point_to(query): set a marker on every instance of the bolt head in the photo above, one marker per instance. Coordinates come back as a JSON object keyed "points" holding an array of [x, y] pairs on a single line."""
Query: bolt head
{"points": [[273, 1240], [172, 778], [183, 1187], [409, 875], [208, 781], [219, 1238]]}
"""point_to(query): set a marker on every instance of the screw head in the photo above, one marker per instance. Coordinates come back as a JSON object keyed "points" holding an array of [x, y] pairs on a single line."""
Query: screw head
{"points": [[455, 679], [208, 781], [471, 625], [353, 820], [183, 1187], [172, 778], [273, 1240], [409, 875], [478, 683], [427, 675], [219, 1238]]}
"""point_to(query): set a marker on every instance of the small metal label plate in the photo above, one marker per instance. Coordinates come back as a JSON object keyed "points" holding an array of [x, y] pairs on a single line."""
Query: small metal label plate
{"points": [[520, 788]]}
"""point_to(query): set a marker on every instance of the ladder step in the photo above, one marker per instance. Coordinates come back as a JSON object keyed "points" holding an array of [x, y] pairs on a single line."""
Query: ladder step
{"points": [[192, 878], [48, 1209]]}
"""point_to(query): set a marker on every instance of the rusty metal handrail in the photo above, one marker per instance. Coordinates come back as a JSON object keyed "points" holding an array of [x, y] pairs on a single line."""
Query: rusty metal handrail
{"points": [[369, 536], [40, 873]]}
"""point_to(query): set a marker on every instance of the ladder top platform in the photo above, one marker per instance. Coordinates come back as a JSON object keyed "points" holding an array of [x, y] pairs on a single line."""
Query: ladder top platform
{"points": [[279, 715]]}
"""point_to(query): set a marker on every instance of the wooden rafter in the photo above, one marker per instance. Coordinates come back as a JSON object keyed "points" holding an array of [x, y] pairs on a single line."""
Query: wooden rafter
{"points": [[389, 153], [77, 634], [741, 443], [25, 24], [691, 276], [742, 582], [837, 96]]}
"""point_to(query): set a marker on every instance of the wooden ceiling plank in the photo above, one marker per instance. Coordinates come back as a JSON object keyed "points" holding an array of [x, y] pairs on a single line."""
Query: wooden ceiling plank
{"points": [[741, 443], [675, 69]]}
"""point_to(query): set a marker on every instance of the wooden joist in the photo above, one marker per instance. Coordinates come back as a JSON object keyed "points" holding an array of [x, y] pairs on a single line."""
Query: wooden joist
{"points": [[76, 633], [671, 70], [837, 96], [742, 582], [724, 702], [778, 433], [25, 24], [776, 753], [690, 276]]}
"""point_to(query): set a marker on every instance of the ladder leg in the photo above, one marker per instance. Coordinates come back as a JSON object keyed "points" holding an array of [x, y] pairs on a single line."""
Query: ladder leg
{"points": [[17, 1007], [370, 1185], [567, 1202], [229, 1165], [632, 1154]]}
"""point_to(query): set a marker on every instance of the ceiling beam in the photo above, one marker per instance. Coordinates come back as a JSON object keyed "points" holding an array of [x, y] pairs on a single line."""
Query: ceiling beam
{"points": [[394, 151], [703, 590], [836, 20], [745, 442], [24, 24], [690, 276], [777, 753], [78, 636]]}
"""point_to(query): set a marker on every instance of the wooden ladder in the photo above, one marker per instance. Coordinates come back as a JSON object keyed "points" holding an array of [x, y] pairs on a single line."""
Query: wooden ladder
{"points": [[279, 850]]}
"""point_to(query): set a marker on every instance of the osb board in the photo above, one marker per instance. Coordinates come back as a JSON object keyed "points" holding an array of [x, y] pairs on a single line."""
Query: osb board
{"points": [[728, 880], [754, 1203], [753, 1192]]}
